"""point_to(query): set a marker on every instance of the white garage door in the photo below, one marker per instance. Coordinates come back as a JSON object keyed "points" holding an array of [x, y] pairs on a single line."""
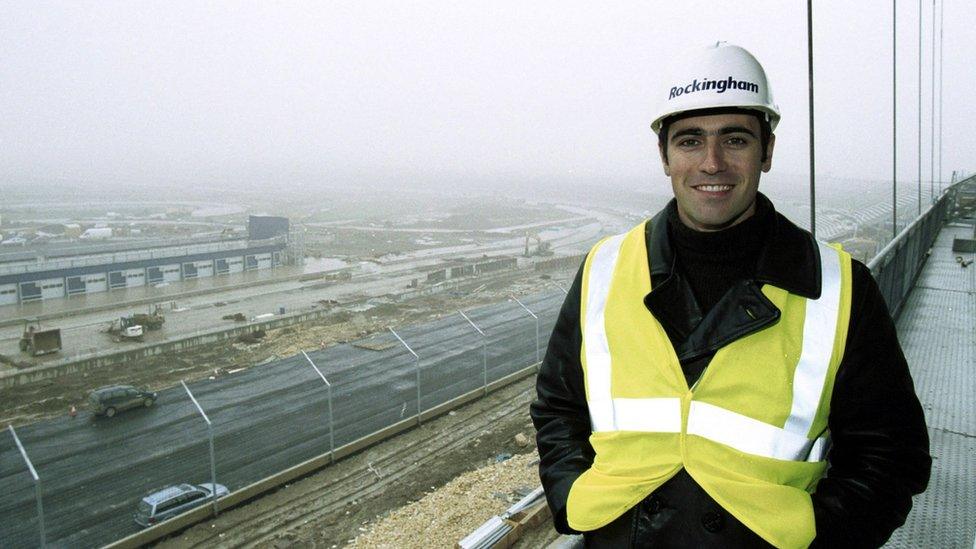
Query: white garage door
{"points": [[52, 288], [134, 278], [95, 283], [8, 294], [171, 273], [204, 268]]}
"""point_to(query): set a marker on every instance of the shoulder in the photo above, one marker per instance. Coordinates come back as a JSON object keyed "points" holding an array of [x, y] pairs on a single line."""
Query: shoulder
{"points": [[865, 293]]}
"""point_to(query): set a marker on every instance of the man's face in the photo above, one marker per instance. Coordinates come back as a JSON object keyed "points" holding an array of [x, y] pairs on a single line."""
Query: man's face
{"points": [[714, 163]]}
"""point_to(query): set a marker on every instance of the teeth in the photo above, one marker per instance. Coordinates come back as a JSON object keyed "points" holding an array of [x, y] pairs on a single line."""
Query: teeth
{"points": [[714, 188]]}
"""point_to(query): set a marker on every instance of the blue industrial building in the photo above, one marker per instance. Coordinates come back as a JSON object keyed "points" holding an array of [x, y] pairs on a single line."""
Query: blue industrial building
{"points": [[24, 282]]}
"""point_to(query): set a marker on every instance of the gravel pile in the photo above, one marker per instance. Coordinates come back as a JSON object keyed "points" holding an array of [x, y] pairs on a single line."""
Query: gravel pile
{"points": [[447, 514]]}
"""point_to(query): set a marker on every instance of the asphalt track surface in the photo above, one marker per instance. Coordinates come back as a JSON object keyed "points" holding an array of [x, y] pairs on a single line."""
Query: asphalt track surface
{"points": [[265, 419]]}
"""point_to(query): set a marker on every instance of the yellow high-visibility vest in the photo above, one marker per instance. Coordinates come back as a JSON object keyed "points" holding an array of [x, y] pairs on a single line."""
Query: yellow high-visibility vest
{"points": [[752, 431]]}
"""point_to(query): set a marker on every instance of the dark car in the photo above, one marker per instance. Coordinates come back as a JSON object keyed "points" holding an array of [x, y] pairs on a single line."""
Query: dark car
{"points": [[106, 401], [169, 502]]}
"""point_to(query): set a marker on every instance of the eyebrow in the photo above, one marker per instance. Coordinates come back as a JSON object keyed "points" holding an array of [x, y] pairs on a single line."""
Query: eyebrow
{"points": [[698, 132]]}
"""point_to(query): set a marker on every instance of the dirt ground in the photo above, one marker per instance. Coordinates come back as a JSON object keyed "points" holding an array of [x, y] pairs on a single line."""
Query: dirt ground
{"points": [[32, 402], [334, 506]]}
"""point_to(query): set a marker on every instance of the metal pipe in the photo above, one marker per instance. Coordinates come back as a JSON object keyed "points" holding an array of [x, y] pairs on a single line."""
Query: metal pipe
{"points": [[484, 349], [941, 20], [919, 107], [213, 465], [894, 118], [813, 184], [416, 358], [329, 389], [37, 485], [932, 119], [536, 317]]}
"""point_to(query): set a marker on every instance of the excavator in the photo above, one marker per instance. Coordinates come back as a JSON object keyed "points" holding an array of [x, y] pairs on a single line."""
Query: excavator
{"points": [[542, 248]]}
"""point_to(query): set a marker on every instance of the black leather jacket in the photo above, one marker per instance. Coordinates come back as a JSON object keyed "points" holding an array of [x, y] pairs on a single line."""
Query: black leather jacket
{"points": [[879, 456]]}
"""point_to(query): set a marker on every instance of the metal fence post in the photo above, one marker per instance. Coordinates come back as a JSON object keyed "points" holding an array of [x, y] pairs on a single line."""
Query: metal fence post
{"points": [[331, 428], [37, 485], [536, 317], [213, 465], [417, 361], [484, 350]]}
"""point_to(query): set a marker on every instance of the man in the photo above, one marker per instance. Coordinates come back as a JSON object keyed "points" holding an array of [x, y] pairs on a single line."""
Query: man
{"points": [[716, 377]]}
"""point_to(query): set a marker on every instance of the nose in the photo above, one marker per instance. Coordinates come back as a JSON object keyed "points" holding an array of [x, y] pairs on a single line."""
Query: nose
{"points": [[714, 160]]}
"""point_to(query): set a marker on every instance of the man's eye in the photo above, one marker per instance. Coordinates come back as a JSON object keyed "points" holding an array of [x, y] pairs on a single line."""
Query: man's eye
{"points": [[737, 142], [689, 142]]}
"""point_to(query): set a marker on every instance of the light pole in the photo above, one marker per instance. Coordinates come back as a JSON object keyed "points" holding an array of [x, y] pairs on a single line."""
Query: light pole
{"points": [[484, 350], [213, 465], [329, 388], [37, 485], [417, 361]]}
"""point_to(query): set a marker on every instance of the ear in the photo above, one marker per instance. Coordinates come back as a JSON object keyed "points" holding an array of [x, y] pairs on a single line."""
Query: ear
{"points": [[769, 153], [664, 158]]}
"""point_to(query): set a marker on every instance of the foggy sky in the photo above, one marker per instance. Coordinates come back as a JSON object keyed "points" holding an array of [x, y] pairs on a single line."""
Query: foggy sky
{"points": [[412, 92]]}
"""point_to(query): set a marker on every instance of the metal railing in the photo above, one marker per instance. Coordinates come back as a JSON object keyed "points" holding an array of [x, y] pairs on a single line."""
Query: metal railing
{"points": [[897, 265]]}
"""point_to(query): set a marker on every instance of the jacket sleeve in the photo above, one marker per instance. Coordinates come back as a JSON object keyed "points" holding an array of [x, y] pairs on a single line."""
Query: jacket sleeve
{"points": [[560, 414], [880, 447]]}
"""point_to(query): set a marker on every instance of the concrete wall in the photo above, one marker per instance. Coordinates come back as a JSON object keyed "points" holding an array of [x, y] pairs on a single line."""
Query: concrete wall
{"points": [[567, 262]]}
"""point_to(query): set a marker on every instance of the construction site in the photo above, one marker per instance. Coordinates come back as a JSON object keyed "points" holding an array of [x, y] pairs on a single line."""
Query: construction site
{"points": [[354, 281], [447, 446]]}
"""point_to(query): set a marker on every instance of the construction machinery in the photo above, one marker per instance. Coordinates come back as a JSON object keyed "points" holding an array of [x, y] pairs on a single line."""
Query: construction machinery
{"points": [[152, 321], [132, 333], [133, 327], [36, 341], [542, 248]]}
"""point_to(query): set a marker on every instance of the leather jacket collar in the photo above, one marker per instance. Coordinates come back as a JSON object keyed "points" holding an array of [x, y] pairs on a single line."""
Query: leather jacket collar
{"points": [[790, 258]]}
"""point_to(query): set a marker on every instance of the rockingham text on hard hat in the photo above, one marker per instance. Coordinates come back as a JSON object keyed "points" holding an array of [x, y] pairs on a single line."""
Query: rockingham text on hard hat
{"points": [[719, 85]]}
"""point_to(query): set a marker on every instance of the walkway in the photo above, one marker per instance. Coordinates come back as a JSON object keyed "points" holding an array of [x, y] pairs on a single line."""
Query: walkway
{"points": [[937, 328]]}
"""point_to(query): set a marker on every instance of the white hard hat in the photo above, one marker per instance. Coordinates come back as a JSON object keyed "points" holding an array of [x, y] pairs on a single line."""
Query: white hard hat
{"points": [[720, 75]]}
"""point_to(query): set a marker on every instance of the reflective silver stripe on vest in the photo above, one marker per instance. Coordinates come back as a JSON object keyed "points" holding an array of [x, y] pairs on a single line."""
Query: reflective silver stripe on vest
{"points": [[749, 435], [598, 396], [819, 332], [651, 415], [741, 432], [656, 415]]}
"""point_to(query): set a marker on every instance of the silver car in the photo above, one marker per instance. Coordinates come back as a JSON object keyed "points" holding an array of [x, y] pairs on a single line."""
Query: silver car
{"points": [[169, 502]]}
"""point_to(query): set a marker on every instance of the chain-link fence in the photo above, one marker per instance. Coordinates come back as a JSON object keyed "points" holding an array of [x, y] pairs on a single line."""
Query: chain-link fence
{"points": [[93, 472]]}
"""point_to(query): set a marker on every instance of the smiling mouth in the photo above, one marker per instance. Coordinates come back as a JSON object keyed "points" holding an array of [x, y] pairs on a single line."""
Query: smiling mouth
{"points": [[713, 188]]}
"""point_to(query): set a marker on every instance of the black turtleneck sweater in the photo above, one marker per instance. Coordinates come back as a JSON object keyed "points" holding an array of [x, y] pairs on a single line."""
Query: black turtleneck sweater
{"points": [[712, 262]]}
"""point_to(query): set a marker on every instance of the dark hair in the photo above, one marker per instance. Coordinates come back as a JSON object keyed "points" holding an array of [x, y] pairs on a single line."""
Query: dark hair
{"points": [[764, 128]]}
